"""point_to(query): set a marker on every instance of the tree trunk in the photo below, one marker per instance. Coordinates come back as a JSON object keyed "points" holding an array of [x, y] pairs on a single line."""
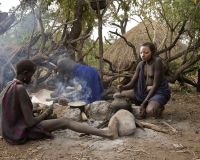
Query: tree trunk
{"points": [[100, 46], [80, 47], [77, 26], [198, 82]]}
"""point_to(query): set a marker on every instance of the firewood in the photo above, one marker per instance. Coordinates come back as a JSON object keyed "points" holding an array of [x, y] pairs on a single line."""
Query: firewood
{"points": [[83, 116], [152, 126], [165, 123], [137, 122]]}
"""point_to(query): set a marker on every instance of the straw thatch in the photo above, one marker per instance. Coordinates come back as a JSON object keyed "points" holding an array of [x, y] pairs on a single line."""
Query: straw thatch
{"points": [[121, 55]]}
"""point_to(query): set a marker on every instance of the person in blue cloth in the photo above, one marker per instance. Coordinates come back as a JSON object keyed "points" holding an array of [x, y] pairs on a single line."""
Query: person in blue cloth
{"points": [[87, 76], [148, 88]]}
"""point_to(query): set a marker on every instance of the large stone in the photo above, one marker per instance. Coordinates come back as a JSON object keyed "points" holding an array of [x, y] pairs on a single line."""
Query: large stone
{"points": [[99, 110], [126, 122], [74, 114]]}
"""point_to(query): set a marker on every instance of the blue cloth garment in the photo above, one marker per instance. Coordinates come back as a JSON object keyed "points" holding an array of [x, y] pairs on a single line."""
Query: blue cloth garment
{"points": [[162, 95], [90, 82]]}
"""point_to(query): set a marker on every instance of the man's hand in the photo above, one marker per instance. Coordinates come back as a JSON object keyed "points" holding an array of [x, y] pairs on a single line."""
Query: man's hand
{"points": [[49, 110]]}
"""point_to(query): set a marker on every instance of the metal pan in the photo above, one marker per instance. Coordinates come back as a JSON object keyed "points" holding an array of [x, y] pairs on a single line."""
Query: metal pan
{"points": [[78, 104], [81, 106]]}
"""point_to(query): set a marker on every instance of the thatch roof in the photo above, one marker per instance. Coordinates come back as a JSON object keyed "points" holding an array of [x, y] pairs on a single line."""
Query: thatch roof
{"points": [[121, 55]]}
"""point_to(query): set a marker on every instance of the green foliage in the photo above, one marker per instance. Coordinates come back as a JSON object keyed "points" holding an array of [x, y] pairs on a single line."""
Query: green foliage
{"points": [[167, 12], [171, 12], [195, 72], [67, 8], [88, 17], [173, 66]]}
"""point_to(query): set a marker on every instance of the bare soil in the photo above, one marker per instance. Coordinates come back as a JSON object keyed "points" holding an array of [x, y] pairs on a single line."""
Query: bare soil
{"points": [[182, 113]]}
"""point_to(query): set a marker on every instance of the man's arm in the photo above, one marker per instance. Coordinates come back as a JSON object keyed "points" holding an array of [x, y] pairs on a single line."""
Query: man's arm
{"points": [[24, 103]]}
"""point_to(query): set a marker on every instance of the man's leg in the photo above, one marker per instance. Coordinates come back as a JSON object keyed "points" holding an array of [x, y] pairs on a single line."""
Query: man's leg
{"points": [[66, 123]]}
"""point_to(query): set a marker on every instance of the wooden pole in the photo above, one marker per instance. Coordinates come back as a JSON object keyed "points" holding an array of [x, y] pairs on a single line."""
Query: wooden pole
{"points": [[100, 46], [99, 15]]}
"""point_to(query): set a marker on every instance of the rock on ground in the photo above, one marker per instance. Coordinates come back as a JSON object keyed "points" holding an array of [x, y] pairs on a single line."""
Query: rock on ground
{"points": [[126, 122], [99, 110]]}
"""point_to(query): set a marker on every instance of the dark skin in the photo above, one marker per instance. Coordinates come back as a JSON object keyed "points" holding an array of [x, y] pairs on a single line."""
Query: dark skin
{"points": [[65, 68], [155, 71], [55, 124]]}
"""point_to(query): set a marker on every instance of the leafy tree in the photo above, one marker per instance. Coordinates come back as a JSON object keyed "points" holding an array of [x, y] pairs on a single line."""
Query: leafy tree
{"points": [[49, 24]]}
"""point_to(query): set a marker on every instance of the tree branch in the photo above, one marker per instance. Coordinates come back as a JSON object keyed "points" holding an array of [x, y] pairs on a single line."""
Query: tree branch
{"points": [[175, 41]]}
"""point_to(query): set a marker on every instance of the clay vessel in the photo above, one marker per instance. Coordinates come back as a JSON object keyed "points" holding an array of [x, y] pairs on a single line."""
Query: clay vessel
{"points": [[120, 102]]}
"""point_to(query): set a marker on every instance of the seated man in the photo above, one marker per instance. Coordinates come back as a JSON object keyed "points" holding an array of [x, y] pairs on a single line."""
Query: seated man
{"points": [[87, 76]]}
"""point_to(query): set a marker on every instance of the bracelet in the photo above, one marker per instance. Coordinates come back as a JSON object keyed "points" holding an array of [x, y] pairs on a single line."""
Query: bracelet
{"points": [[46, 113]]}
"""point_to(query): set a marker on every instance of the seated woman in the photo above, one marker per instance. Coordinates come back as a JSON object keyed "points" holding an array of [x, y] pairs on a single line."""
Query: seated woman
{"points": [[149, 87], [17, 122]]}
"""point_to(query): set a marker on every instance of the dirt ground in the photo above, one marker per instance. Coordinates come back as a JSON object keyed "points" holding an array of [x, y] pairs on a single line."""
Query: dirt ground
{"points": [[182, 113]]}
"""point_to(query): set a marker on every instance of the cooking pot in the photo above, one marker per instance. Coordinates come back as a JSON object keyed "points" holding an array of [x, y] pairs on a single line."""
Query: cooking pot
{"points": [[120, 102], [80, 105]]}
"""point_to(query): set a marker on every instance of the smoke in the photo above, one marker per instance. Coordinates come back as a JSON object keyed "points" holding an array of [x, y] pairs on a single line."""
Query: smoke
{"points": [[76, 90], [9, 42], [86, 91], [61, 88]]}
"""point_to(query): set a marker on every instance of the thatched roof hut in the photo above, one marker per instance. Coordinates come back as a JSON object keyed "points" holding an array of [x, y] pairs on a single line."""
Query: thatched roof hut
{"points": [[121, 55]]}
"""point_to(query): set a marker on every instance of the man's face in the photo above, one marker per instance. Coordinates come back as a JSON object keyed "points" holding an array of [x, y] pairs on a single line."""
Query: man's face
{"points": [[29, 77]]}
